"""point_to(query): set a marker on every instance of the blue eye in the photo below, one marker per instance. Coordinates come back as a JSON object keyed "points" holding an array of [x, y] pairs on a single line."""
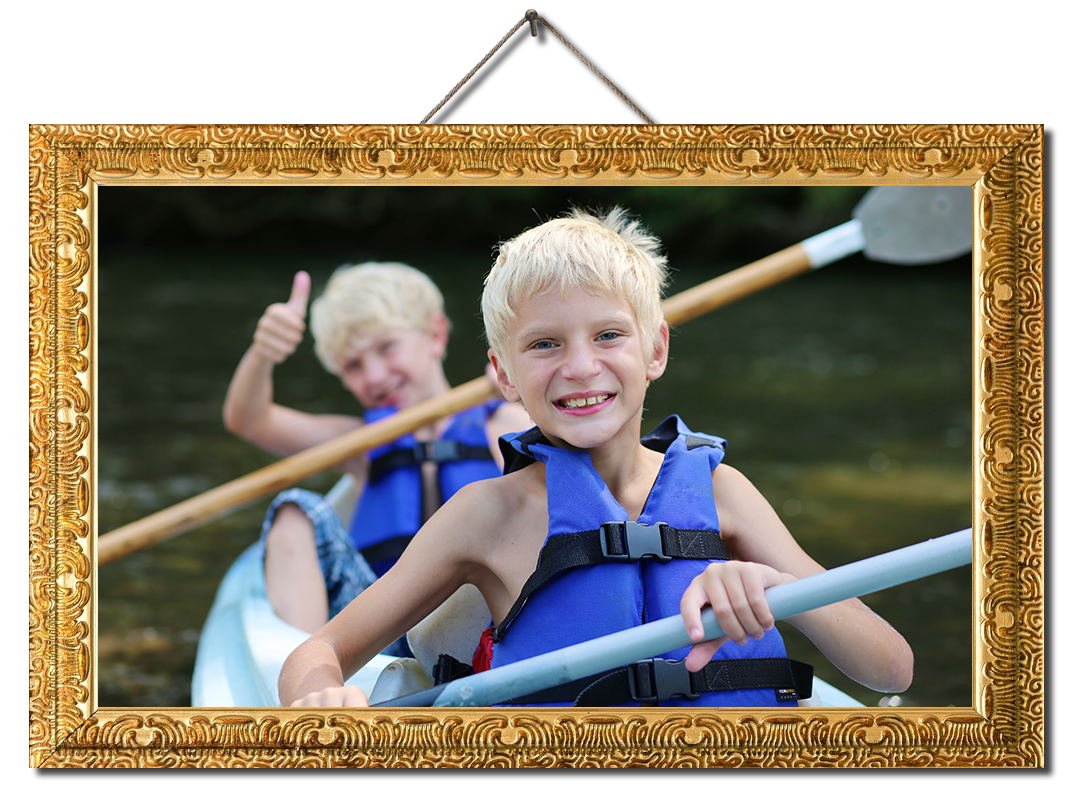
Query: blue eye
{"points": [[542, 345], [607, 336]]}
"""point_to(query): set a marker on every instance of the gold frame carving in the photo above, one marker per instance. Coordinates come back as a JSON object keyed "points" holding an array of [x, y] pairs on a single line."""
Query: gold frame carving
{"points": [[1004, 726]]}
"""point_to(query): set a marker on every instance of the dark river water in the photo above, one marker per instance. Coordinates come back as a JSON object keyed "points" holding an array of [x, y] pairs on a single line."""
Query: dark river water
{"points": [[845, 396]]}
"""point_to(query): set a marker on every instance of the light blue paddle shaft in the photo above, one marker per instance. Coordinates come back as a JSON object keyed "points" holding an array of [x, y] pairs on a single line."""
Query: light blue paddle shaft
{"points": [[502, 684]]}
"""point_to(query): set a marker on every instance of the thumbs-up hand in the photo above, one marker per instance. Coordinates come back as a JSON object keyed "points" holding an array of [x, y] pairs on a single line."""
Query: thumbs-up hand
{"points": [[281, 327]]}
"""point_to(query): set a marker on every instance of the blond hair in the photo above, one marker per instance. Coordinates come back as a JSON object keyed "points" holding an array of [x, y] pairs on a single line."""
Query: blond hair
{"points": [[610, 254], [362, 301]]}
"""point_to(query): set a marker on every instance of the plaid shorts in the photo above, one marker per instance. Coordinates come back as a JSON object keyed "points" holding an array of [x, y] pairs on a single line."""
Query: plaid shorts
{"points": [[346, 573]]}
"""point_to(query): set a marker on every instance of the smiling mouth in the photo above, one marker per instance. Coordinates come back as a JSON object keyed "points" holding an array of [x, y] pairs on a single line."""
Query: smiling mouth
{"points": [[385, 397], [582, 402]]}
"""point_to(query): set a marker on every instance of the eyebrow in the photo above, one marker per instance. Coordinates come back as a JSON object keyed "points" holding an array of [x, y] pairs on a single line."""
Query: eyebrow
{"points": [[618, 320]]}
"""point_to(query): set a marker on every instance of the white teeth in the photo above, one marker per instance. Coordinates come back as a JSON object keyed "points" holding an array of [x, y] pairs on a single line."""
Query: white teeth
{"points": [[581, 402]]}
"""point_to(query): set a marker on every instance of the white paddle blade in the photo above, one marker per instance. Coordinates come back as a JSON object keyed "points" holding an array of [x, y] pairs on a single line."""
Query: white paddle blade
{"points": [[916, 224]]}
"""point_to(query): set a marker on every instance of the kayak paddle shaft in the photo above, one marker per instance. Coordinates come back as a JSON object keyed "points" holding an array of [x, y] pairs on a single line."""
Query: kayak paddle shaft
{"points": [[502, 684]]}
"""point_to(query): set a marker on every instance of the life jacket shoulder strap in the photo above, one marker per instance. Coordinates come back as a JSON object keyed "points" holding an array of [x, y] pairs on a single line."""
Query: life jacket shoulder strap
{"points": [[615, 541]]}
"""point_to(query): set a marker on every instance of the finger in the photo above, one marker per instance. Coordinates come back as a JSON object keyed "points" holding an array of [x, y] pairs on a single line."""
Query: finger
{"points": [[299, 299], [335, 697], [693, 600], [278, 333], [280, 320], [714, 587], [273, 347], [746, 595], [700, 654], [353, 696], [755, 586], [727, 612], [721, 585]]}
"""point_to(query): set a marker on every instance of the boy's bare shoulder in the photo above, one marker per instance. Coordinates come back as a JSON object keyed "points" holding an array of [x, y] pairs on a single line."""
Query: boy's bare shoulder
{"points": [[499, 526], [751, 528], [739, 503], [504, 495], [499, 511], [726, 479]]}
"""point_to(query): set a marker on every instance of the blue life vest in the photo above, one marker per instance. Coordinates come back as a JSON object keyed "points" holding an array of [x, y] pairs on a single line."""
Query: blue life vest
{"points": [[389, 512], [590, 601]]}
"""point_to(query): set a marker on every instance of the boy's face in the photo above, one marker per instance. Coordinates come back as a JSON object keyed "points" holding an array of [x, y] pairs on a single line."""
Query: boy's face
{"points": [[397, 367], [578, 365]]}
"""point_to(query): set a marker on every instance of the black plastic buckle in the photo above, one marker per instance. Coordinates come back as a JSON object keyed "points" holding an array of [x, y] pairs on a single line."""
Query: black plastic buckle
{"points": [[667, 678], [638, 541], [448, 668], [437, 451]]}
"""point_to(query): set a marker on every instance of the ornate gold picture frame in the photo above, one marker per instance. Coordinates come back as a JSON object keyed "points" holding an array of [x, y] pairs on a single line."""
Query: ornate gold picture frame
{"points": [[1004, 725]]}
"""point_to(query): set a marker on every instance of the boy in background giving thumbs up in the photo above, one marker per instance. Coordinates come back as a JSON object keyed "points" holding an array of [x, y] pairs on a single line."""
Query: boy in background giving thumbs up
{"points": [[381, 328]]}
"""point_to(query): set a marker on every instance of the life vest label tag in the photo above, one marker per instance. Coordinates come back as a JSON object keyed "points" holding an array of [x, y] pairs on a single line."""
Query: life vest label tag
{"points": [[786, 695]]}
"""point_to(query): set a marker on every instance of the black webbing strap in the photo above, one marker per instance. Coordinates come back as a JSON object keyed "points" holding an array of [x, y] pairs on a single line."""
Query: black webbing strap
{"points": [[655, 680], [437, 451], [448, 668], [614, 541], [389, 548]]}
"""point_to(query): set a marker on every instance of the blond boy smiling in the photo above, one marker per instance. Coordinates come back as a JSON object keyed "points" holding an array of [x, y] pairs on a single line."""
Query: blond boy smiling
{"points": [[382, 329], [573, 318]]}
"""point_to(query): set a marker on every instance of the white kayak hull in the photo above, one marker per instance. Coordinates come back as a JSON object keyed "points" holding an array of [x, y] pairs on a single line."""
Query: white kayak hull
{"points": [[824, 694], [243, 644]]}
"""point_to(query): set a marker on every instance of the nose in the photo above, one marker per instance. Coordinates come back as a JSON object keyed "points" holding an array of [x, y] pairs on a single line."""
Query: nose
{"points": [[374, 370], [580, 363]]}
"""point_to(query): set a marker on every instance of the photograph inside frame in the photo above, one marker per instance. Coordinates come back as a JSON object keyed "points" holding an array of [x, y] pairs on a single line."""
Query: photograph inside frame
{"points": [[844, 394]]}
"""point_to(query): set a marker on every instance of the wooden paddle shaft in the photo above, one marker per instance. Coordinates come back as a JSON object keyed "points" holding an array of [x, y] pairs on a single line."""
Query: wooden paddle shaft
{"points": [[736, 284], [242, 491]]}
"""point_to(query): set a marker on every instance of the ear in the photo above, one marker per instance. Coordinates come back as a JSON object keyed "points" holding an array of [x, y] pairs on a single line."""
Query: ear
{"points": [[438, 331], [660, 348], [506, 388]]}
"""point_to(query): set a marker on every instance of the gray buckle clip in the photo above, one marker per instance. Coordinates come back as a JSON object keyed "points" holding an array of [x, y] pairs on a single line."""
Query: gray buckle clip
{"points": [[437, 451], [638, 541]]}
